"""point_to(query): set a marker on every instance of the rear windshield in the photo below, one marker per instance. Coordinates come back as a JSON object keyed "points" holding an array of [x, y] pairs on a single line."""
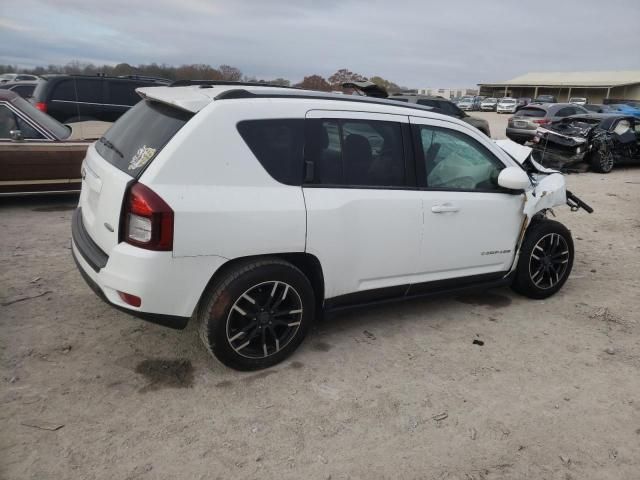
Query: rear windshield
{"points": [[139, 135], [530, 112]]}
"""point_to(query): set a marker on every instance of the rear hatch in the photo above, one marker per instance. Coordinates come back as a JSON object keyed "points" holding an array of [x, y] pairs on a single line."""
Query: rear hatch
{"points": [[118, 159]]}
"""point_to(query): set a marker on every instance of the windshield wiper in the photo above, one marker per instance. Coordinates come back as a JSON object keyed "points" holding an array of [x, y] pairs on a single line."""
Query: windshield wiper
{"points": [[110, 145]]}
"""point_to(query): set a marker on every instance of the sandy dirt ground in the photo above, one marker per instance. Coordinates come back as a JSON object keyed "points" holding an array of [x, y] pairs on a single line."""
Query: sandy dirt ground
{"points": [[395, 392]]}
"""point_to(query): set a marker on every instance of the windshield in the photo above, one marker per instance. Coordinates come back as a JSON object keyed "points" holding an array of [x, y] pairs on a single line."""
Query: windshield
{"points": [[577, 99], [59, 130], [491, 100], [507, 100], [139, 135]]}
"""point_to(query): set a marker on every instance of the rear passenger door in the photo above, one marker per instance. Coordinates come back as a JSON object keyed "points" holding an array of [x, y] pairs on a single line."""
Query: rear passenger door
{"points": [[364, 214]]}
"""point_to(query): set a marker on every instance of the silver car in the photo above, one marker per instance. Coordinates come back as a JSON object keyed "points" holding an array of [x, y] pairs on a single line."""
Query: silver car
{"points": [[507, 105], [523, 125]]}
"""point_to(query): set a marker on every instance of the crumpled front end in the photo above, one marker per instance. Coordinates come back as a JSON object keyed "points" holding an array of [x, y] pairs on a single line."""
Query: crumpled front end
{"points": [[562, 151]]}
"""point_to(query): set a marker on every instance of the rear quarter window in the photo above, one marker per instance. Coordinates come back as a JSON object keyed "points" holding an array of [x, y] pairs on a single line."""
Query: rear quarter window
{"points": [[278, 146], [137, 138], [124, 92]]}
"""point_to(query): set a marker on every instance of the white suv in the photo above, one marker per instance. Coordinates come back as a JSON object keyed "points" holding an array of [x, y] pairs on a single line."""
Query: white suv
{"points": [[255, 208]]}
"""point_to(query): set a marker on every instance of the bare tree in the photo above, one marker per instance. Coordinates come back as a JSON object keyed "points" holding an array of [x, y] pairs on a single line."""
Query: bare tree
{"points": [[344, 75], [314, 82], [231, 74]]}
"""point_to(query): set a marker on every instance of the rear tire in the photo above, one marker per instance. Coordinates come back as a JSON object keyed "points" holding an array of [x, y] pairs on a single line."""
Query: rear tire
{"points": [[257, 314], [602, 162], [546, 259]]}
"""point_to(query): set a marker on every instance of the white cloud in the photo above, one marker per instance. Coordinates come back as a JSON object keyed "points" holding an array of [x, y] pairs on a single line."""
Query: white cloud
{"points": [[414, 43]]}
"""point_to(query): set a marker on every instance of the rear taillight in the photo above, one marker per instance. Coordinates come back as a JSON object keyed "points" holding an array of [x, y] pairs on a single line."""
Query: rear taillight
{"points": [[541, 121], [41, 106], [147, 219]]}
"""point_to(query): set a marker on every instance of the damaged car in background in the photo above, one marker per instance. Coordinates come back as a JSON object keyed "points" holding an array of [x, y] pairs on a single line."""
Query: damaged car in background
{"points": [[599, 141]]}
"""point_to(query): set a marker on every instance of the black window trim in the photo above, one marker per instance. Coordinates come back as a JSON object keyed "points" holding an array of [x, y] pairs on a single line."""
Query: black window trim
{"points": [[421, 176], [407, 154]]}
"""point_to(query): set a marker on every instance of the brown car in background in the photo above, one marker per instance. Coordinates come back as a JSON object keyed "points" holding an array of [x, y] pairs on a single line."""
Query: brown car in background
{"points": [[38, 154]]}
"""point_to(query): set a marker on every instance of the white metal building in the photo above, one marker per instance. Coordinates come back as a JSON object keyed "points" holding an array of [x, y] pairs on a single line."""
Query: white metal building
{"points": [[596, 86]]}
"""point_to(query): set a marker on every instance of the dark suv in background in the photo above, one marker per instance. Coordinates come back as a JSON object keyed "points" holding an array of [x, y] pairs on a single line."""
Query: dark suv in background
{"points": [[74, 98], [444, 106]]}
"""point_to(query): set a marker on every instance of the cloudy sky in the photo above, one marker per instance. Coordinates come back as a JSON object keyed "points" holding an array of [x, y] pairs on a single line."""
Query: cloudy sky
{"points": [[414, 43]]}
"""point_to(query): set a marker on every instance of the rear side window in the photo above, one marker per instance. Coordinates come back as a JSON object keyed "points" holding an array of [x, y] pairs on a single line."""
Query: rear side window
{"points": [[64, 90], [23, 90], [123, 92], [355, 153], [530, 112], [139, 135], [278, 146], [428, 103]]}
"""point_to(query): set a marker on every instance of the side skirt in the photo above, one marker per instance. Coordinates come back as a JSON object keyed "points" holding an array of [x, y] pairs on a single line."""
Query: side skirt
{"points": [[419, 290]]}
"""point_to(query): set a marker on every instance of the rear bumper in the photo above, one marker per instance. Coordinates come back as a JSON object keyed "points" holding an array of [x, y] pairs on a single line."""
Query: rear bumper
{"points": [[171, 321], [170, 287]]}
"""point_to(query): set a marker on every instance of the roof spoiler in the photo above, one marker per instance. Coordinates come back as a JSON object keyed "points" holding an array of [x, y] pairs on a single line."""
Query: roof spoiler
{"points": [[368, 89]]}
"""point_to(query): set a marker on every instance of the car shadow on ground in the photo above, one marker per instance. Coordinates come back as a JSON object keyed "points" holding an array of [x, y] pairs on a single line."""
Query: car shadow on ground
{"points": [[58, 202]]}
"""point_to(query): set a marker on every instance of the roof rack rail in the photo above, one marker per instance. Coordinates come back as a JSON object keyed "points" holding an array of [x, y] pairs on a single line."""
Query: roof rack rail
{"points": [[206, 83], [133, 76], [241, 93]]}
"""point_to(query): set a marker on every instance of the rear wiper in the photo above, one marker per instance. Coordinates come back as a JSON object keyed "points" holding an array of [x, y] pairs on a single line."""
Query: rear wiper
{"points": [[110, 145]]}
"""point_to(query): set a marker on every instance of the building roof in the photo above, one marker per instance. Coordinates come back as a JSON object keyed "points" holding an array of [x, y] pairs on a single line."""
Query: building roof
{"points": [[572, 79]]}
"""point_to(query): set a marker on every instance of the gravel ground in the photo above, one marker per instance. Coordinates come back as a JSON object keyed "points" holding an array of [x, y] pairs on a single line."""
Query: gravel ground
{"points": [[396, 392]]}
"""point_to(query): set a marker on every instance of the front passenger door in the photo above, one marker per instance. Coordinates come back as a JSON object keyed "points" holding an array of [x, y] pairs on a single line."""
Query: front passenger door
{"points": [[471, 224]]}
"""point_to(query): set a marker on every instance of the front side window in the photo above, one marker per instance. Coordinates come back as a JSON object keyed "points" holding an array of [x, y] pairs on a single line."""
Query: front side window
{"points": [[345, 152], [452, 160], [8, 122]]}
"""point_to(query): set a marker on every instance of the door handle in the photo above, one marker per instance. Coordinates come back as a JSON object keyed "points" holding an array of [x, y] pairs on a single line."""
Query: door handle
{"points": [[444, 208]]}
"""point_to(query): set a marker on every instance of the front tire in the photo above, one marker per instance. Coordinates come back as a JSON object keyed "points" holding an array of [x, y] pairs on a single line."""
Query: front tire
{"points": [[602, 162], [546, 259], [257, 314]]}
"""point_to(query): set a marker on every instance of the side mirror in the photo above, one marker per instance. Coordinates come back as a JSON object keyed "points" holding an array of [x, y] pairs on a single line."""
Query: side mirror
{"points": [[514, 178], [16, 135]]}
